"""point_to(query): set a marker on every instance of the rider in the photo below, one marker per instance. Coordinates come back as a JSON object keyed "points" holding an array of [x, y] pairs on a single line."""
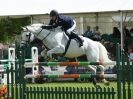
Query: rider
{"points": [[67, 23]]}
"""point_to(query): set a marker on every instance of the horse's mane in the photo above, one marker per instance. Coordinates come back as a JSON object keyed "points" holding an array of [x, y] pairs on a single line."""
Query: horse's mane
{"points": [[33, 27], [36, 26]]}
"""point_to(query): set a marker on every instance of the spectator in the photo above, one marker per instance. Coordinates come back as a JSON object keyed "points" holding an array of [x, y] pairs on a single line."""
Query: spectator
{"points": [[97, 34], [126, 32], [131, 32], [88, 33], [130, 52], [116, 32]]}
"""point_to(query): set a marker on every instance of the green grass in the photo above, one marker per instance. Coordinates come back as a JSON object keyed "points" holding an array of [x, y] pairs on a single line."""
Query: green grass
{"points": [[72, 84]]}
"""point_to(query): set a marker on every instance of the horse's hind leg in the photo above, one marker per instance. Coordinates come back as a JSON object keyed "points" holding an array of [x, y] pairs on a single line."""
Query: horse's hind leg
{"points": [[102, 73], [92, 58]]}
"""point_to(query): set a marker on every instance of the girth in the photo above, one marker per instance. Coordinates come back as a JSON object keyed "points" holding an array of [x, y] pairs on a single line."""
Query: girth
{"points": [[66, 47]]}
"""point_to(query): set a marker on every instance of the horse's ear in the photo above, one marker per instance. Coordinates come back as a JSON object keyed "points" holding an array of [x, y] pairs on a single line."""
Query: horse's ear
{"points": [[22, 28]]}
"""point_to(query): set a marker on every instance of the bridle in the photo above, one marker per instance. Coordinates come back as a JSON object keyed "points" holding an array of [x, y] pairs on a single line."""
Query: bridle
{"points": [[29, 36]]}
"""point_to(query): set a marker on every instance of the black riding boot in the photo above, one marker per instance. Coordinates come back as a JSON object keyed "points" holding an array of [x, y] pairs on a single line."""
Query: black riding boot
{"points": [[73, 35]]}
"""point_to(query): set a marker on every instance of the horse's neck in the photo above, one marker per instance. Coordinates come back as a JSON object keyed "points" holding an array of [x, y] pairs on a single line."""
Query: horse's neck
{"points": [[60, 32], [51, 38], [55, 38]]}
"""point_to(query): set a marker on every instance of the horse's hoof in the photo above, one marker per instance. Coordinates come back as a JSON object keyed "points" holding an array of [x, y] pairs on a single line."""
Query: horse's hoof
{"points": [[94, 80], [107, 83]]}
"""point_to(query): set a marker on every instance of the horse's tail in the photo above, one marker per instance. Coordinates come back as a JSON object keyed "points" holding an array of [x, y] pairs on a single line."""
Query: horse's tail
{"points": [[103, 53]]}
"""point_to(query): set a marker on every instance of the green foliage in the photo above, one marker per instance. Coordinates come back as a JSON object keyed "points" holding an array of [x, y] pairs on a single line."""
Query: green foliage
{"points": [[10, 26]]}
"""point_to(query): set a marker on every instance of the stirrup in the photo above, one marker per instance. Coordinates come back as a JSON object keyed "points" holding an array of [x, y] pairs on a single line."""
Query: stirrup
{"points": [[81, 43]]}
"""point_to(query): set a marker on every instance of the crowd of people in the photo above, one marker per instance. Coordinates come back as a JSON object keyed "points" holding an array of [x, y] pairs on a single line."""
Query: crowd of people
{"points": [[96, 35]]}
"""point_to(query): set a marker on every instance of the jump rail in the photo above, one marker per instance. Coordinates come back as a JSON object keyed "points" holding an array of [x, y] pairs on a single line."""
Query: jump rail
{"points": [[29, 64], [66, 76]]}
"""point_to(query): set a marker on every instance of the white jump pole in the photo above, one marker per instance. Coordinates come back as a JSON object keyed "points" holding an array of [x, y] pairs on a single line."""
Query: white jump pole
{"points": [[11, 57], [12, 62], [35, 69]]}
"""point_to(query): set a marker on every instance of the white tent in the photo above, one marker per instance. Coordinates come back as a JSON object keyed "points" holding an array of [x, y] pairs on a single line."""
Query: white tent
{"points": [[31, 7], [35, 7]]}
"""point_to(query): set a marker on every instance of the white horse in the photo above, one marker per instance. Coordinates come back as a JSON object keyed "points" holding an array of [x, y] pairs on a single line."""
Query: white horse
{"points": [[56, 40]]}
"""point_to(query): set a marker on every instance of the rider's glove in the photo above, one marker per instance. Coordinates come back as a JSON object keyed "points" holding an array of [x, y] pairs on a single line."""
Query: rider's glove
{"points": [[47, 27]]}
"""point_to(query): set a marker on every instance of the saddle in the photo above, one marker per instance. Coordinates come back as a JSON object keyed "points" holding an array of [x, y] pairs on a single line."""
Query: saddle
{"points": [[73, 36]]}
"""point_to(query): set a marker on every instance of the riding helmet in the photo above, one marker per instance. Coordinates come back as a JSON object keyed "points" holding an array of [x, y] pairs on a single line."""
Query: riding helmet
{"points": [[54, 13]]}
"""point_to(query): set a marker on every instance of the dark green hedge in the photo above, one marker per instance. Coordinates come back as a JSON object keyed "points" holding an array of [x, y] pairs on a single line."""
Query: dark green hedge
{"points": [[11, 26]]}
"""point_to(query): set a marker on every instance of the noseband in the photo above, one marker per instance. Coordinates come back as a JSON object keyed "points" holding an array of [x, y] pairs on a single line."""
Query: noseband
{"points": [[29, 36]]}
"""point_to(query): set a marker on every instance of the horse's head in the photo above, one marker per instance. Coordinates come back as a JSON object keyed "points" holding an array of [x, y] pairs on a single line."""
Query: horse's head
{"points": [[31, 32], [26, 36]]}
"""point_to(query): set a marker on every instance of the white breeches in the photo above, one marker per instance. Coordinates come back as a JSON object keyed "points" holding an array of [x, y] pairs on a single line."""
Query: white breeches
{"points": [[72, 28]]}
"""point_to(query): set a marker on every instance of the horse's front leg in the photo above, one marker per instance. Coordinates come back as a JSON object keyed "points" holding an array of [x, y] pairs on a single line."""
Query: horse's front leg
{"points": [[56, 50]]}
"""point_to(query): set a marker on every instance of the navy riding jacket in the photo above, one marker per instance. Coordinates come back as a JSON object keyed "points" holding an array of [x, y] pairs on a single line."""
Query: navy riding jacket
{"points": [[65, 22]]}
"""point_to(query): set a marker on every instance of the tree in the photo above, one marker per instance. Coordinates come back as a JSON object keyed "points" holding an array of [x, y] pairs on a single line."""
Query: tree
{"points": [[11, 26]]}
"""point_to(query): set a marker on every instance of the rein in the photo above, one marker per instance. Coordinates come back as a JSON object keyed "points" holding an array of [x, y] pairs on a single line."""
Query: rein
{"points": [[46, 35]]}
